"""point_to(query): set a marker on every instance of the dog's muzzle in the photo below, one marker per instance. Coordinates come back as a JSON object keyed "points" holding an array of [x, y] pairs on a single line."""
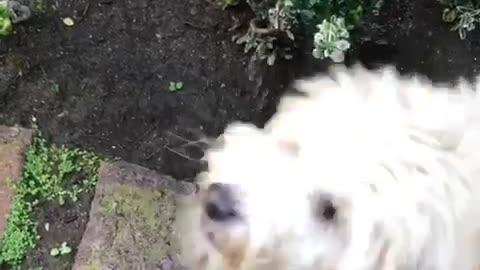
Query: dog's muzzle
{"points": [[220, 204]]}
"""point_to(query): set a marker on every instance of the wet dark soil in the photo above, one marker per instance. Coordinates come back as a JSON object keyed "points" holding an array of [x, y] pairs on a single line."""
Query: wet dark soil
{"points": [[58, 224], [413, 36], [103, 84]]}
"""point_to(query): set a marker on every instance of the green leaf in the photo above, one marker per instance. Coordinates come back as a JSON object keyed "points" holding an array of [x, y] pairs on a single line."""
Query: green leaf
{"points": [[5, 24], [172, 87], [68, 21], [243, 39], [271, 59], [343, 45], [290, 35], [337, 56], [65, 249], [179, 85], [54, 252], [61, 200], [449, 15]]}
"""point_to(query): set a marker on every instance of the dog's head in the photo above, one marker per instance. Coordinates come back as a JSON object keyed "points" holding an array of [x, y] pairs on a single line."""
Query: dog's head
{"points": [[313, 189], [257, 208]]}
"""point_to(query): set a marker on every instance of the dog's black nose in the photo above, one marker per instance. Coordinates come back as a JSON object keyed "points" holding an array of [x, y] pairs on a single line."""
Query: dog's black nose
{"points": [[221, 204]]}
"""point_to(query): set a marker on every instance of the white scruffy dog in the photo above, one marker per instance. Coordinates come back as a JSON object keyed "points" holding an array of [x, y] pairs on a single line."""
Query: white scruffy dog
{"points": [[366, 170]]}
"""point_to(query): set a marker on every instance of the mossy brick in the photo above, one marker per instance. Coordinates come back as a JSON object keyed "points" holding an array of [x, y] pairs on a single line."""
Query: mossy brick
{"points": [[14, 141], [131, 220]]}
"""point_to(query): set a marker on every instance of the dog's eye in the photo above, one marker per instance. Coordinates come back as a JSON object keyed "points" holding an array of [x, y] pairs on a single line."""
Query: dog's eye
{"points": [[326, 210], [329, 211], [327, 207]]}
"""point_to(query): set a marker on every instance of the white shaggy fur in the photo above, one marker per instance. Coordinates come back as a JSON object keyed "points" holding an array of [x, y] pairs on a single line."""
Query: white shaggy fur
{"points": [[397, 157]]}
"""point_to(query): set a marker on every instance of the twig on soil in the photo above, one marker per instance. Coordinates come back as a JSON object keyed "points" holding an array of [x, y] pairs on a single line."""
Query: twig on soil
{"points": [[45, 77], [154, 126], [85, 11], [152, 155], [236, 24], [104, 139], [178, 136], [178, 153], [189, 142], [70, 219], [199, 27]]}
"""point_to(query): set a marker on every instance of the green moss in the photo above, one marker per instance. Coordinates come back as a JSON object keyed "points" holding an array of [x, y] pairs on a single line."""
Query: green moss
{"points": [[141, 206], [139, 223], [92, 265]]}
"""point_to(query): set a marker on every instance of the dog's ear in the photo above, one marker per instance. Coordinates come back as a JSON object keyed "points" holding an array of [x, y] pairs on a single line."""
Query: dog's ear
{"points": [[291, 148], [440, 112]]}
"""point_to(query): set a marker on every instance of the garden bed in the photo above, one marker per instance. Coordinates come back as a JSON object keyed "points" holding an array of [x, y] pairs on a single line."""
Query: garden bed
{"points": [[66, 224], [139, 79], [50, 208]]}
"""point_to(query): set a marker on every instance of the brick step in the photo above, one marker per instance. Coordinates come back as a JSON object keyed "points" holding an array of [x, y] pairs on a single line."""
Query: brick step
{"points": [[14, 141]]}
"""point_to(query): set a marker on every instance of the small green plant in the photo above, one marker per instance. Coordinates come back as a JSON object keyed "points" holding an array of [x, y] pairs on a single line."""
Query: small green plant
{"points": [[51, 165], [338, 18], [63, 249], [12, 12], [55, 88], [51, 173], [463, 14], [5, 21], [328, 21], [352, 11], [175, 86], [331, 40], [20, 235], [265, 34], [264, 47], [39, 6]]}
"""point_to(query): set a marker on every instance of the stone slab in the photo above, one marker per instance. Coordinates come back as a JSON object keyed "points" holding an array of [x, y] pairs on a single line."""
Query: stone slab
{"points": [[131, 218]]}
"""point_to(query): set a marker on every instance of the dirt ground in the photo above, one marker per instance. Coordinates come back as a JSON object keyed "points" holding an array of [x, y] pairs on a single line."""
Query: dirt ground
{"points": [[422, 42], [103, 83], [66, 223]]}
